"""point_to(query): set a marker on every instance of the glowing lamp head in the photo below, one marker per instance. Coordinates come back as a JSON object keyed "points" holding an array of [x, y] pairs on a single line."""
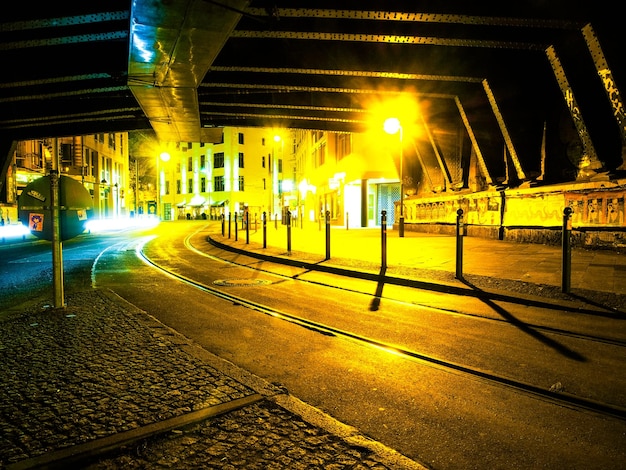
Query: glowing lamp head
{"points": [[392, 125], [165, 157]]}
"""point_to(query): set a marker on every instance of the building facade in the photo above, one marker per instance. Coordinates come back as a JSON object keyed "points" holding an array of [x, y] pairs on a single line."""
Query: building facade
{"points": [[350, 177], [99, 162], [244, 172]]}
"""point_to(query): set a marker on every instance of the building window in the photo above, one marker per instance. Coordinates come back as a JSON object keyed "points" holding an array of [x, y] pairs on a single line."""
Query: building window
{"points": [[319, 155], [218, 160], [167, 186], [280, 165], [343, 145], [190, 185], [240, 183], [190, 164], [240, 159], [66, 155], [178, 189], [241, 138], [218, 183], [202, 162], [263, 161], [263, 141], [203, 185]]}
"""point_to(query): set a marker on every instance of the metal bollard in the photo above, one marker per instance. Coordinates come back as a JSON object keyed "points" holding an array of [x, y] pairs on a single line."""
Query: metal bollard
{"points": [[288, 222], [223, 225], [327, 235], [247, 217], [276, 221], [229, 217], [566, 271], [236, 228], [264, 229], [460, 233], [383, 239]]}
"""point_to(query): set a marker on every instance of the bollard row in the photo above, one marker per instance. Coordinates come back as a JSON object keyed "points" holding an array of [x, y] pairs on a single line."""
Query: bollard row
{"points": [[461, 232]]}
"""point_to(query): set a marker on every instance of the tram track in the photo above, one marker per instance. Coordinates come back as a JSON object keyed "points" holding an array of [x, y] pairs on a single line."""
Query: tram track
{"points": [[535, 326], [556, 397]]}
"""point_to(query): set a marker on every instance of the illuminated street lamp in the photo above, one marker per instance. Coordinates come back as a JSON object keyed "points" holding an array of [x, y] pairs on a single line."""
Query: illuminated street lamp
{"points": [[393, 126]]}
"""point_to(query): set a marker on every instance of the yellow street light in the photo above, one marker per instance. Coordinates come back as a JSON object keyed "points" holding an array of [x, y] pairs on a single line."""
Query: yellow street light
{"points": [[393, 126]]}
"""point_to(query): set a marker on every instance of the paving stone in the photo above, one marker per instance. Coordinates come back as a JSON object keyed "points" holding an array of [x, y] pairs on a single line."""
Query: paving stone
{"points": [[94, 369]]}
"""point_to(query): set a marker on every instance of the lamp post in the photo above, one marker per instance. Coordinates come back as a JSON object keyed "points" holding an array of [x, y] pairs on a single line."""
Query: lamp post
{"points": [[393, 126]]}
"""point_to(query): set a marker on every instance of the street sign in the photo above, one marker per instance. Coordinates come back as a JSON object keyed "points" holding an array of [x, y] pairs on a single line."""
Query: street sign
{"points": [[75, 208]]}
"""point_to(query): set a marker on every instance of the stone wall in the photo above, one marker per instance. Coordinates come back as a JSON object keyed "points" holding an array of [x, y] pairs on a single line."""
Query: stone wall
{"points": [[530, 215]]}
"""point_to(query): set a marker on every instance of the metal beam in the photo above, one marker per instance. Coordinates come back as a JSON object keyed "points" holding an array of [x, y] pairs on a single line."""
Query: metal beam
{"points": [[388, 39], [479, 155], [610, 86], [589, 161], [410, 17], [505, 132], [440, 159]]}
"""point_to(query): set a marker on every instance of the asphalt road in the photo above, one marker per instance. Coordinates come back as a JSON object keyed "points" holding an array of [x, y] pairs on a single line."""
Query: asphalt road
{"points": [[434, 415], [441, 417]]}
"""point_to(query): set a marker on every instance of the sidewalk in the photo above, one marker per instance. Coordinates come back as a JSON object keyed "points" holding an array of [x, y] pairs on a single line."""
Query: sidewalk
{"points": [[434, 256], [82, 381]]}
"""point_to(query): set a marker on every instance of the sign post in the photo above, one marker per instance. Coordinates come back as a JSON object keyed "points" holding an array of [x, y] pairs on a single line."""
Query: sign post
{"points": [[56, 209]]}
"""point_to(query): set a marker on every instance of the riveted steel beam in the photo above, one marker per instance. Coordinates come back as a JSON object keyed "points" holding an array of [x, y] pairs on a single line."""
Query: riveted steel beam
{"points": [[347, 73], [62, 22], [415, 17], [610, 86], [320, 89], [387, 39], [588, 161], [61, 41], [505, 132], [284, 106], [479, 156], [440, 159], [55, 80], [286, 117], [420, 158]]}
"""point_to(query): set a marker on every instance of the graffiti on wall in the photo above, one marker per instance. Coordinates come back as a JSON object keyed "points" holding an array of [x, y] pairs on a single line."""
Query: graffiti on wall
{"points": [[479, 210], [483, 210], [600, 209], [534, 210], [597, 209]]}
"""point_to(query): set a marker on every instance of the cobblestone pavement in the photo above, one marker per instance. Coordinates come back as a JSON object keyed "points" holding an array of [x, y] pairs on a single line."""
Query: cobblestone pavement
{"points": [[101, 374]]}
